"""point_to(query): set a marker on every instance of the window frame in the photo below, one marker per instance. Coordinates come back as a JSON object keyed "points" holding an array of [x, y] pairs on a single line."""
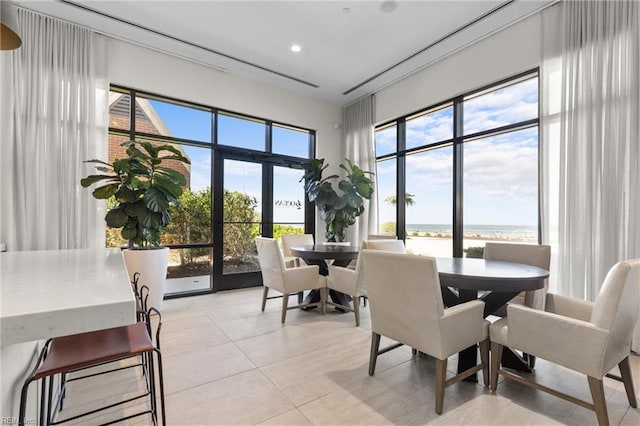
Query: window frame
{"points": [[457, 141], [219, 152]]}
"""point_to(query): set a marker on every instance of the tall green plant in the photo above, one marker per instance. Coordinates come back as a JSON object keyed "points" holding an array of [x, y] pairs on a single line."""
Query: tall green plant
{"points": [[338, 211], [143, 188]]}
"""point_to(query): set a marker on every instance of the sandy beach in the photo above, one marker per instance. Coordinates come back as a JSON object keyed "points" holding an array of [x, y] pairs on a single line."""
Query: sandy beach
{"points": [[443, 247]]}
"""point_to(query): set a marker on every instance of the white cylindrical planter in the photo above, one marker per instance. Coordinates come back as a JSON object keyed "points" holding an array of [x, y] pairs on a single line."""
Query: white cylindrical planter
{"points": [[152, 265]]}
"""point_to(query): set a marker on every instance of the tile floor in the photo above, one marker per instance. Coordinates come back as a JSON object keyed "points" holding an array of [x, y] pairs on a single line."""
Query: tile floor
{"points": [[227, 363]]}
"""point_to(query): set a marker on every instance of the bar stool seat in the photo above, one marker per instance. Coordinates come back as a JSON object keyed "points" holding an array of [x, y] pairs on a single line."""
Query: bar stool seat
{"points": [[77, 351], [66, 354]]}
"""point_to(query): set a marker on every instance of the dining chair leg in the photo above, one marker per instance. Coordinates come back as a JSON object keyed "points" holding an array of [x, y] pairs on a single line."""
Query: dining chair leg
{"points": [[484, 358], [265, 292], [441, 380], [496, 356], [627, 379], [597, 393], [356, 310], [323, 299], [531, 360], [285, 304], [373, 356]]}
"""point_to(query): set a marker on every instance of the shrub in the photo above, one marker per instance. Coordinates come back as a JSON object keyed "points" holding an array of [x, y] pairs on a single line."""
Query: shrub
{"points": [[474, 252]]}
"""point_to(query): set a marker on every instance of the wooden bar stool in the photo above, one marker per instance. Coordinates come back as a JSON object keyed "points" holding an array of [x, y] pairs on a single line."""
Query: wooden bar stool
{"points": [[63, 355]]}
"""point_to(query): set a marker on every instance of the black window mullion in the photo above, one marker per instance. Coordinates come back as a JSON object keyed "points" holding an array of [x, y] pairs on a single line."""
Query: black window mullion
{"points": [[132, 114], [268, 137], [267, 200], [458, 151], [217, 216], [401, 185]]}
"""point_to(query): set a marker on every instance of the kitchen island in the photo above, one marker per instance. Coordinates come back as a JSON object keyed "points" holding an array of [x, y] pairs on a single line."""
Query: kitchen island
{"points": [[51, 293]]}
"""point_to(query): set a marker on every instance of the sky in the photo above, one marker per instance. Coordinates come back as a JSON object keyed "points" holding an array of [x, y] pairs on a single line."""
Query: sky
{"points": [[500, 172], [240, 176]]}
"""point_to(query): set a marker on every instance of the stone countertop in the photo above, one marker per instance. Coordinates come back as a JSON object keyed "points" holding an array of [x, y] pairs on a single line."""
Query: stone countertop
{"points": [[51, 293]]}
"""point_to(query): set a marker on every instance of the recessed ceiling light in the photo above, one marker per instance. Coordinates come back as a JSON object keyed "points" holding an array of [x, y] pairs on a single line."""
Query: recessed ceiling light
{"points": [[388, 6], [295, 48], [346, 10]]}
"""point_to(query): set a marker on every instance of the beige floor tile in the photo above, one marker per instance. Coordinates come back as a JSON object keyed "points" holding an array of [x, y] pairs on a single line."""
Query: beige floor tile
{"points": [[188, 369], [244, 399], [228, 363], [403, 394], [292, 340], [491, 409], [632, 417], [290, 418], [191, 339], [180, 321], [311, 375]]}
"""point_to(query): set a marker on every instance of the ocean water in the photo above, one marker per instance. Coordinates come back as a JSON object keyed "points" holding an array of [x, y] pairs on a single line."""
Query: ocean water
{"points": [[478, 231]]}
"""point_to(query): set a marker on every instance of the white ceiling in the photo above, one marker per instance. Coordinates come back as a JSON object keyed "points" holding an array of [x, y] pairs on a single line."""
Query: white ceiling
{"points": [[349, 48]]}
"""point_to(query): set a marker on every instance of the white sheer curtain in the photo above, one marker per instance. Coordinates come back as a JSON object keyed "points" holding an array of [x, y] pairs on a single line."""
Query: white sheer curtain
{"points": [[59, 118], [358, 134], [591, 143]]}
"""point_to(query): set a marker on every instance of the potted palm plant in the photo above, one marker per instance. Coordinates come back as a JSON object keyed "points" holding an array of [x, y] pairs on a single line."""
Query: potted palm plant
{"points": [[338, 211], [143, 189]]}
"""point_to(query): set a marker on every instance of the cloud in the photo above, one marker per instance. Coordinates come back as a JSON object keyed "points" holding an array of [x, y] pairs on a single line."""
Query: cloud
{"points": [[502, 166], [430, 168], [385, 140], [243, 168], [429, 128], [508, 105]]}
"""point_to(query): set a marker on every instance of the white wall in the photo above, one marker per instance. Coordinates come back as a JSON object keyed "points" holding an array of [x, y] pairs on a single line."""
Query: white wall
{"points": [[505, 53], [145, 69]]}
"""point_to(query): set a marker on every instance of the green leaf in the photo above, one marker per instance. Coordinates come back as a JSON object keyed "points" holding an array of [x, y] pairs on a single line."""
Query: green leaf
{"points": [[138, 168], [96, 161], [152, 220], [130, 234], [137, 209], [178, 154], [166, 185], [133, 151], [126, 195], [364, 189], [178, 157], [91, 179], [155, 200], [105, 192], [353, 199], [116, 218], [171, 174]]}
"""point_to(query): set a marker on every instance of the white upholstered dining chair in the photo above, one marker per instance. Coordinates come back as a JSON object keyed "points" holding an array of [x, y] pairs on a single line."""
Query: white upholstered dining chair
{"points": [[276, 276], [293, 240], [406, 306], [590, 338], [349, 281], [528, 254]]}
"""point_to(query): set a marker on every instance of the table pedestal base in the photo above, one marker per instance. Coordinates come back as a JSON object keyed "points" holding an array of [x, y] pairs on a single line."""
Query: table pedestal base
{"points": [[336, 297], [493, 301]]}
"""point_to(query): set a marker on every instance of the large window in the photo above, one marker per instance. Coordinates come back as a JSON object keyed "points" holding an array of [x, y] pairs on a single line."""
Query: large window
{"points": [[256, 184], [464, 171]]}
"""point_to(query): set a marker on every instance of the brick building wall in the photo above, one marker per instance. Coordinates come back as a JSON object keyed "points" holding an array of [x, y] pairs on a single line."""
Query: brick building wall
{"points": [[119, 119]]}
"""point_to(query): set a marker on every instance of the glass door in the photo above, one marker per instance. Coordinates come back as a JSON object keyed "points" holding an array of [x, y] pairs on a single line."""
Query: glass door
{"points": [[241, 212], [256, 198]]}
